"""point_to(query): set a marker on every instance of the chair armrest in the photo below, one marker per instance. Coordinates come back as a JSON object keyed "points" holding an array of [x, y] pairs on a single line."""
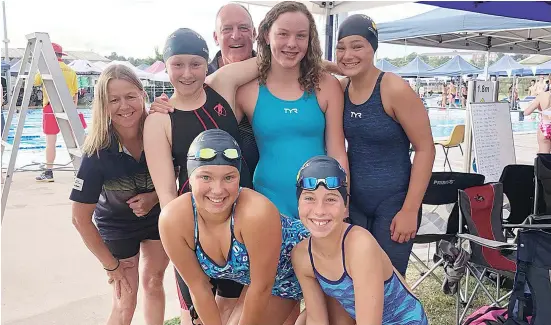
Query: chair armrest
{"points": [[488, 243], [540, 217], [527, 226]]}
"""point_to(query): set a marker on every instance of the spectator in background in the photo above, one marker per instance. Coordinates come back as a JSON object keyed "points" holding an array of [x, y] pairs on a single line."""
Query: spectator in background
{"points": [[540, 85], [532, 90], [49, 122], [464, 95]]}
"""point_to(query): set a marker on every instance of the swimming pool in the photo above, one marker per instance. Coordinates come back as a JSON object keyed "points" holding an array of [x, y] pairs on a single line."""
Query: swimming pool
{"points": [[33, 141]]}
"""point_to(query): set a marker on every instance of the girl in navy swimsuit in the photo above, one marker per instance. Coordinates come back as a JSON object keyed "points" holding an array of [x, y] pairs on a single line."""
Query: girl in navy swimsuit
{"points": [[344, 261]]}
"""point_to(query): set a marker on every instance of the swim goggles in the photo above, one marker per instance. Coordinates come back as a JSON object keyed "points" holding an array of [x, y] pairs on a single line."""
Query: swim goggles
{"points": [[210, 154], [312, 183]]}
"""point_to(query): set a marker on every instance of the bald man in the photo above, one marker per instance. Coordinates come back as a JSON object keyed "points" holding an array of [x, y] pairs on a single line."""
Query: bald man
{"points": [[235, 34]]}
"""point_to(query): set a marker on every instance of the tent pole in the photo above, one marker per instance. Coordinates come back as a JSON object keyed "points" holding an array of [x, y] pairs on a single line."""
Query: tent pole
{"points": [[6, 53], [468, 129], [329, 34], [487, 66]]}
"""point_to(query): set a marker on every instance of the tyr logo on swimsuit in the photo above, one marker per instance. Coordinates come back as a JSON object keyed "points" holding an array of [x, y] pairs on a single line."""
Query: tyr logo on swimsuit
{"points": [[290, 110], [354, 114]]}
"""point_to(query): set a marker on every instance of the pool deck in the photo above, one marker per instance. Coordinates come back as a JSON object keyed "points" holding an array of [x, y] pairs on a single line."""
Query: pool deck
{"points": [[50, 277]]}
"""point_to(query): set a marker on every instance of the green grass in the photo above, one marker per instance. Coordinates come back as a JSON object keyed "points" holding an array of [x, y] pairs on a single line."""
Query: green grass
{"points": [[440, 308], [174, 321]]}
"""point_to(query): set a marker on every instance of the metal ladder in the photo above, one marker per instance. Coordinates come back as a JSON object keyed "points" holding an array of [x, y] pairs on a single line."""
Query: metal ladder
{"points": [[42, 59]]}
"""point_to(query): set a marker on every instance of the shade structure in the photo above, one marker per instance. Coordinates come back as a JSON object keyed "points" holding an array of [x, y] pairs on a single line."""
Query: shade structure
{"points": [[156, 67], [386, 66], [415, 68], [544, 68], [506, 66], [462, 30], [141, 74], [84, 67], [457, 66], [529, 10]]}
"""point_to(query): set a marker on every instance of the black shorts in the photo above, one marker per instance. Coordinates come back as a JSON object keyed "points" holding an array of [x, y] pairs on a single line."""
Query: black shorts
{"points": [[126, 248], [221, 287]]}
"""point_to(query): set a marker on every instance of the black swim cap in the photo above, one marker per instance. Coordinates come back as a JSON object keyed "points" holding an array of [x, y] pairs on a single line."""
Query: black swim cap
{"points": [[322, 168], [360, 25], [213, 147], [185, 41]]}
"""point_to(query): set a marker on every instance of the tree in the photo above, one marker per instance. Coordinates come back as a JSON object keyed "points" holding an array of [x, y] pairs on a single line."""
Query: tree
{"points": [[158, 56]]}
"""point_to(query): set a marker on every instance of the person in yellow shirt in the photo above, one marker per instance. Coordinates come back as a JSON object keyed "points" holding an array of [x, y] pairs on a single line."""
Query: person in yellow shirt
{"points": [[49, 122]]}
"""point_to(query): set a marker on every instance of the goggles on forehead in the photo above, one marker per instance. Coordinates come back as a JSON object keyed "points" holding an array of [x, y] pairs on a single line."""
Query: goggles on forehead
{"points": [[210, 154], [312, 183]]}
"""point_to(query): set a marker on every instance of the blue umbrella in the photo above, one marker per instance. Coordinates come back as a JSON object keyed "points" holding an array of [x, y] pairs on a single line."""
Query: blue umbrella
{"points": [[530, 10]]}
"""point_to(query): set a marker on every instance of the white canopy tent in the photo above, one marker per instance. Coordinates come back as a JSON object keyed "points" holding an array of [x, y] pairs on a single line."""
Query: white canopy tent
{"points": [[84, 67], [141, 74]]}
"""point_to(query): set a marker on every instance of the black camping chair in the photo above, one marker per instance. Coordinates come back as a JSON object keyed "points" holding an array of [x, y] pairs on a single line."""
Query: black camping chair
{"points": [[439, 220], [518, 185], [541, 213]]}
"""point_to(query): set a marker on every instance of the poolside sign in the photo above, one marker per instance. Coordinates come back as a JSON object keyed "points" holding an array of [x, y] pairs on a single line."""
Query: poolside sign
{"points": [[493, 138], [483, 92]]}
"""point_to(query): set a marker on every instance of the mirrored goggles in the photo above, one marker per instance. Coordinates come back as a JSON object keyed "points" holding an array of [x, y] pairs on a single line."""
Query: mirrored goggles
{"points": [[312, 183]]}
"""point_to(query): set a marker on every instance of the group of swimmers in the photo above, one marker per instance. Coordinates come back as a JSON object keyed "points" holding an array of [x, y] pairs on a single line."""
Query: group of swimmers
{"points": [[250, 238]]}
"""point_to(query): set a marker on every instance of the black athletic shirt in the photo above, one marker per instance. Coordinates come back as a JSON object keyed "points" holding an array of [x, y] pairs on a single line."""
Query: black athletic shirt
{"points": [[109, 179], [248, 142], [216, 113]]}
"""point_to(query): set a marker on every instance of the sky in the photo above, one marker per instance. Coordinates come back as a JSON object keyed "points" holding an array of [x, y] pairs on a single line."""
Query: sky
{"points": [[135, 27]]}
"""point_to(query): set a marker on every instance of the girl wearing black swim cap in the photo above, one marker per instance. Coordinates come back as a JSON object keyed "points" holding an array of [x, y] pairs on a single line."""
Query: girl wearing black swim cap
{"points": [[383, 116], [199, 103], [342, 261], [223, 232]]}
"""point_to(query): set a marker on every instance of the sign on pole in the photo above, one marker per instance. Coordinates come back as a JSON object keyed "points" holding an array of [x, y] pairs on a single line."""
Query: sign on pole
{"points": [[484, 92]]}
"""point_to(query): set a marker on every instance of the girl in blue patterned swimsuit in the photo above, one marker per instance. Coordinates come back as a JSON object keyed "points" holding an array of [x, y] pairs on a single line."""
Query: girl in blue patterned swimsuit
{"points": [[344, 262], [220, 231]]}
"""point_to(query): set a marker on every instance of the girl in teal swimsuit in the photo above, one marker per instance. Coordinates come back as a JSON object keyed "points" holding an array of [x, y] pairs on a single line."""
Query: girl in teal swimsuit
{"points": [[220, 231], [342, 261], [295, 108]]}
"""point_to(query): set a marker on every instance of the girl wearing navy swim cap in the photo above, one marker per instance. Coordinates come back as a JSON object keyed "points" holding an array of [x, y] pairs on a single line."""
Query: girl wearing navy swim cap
{"points": [[383, 116], [199, 103], [342, 261], [223, 232]]}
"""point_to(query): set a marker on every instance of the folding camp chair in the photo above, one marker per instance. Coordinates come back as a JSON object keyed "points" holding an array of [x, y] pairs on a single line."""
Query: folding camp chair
{"points": [[518, 186], [482, 208], [542, 190], [439, 220]]}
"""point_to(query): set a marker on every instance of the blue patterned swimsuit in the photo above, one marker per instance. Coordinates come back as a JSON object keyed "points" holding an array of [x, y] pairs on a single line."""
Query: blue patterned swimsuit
{"points": [[400, 306], [237, 267]]}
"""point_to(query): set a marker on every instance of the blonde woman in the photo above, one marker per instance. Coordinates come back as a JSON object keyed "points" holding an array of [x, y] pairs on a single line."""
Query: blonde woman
{"points": [[113, 185]]}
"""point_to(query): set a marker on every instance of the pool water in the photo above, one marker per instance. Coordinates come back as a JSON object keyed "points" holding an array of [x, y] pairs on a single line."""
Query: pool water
{"points": [[33, 141]]}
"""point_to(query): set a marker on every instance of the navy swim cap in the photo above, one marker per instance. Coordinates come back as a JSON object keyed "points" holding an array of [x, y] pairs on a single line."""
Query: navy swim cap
{"points": [[360, 25], [322, 170], [185, 41], [213, 147]]}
